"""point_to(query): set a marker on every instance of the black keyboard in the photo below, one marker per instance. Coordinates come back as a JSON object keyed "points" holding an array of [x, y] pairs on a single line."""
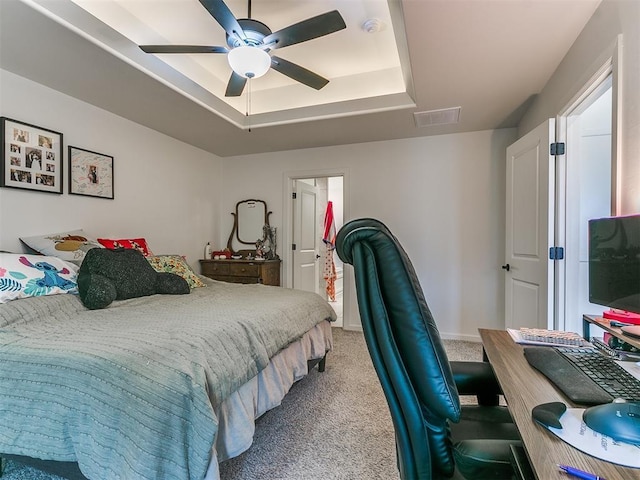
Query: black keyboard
{"points": [[583, 374]]}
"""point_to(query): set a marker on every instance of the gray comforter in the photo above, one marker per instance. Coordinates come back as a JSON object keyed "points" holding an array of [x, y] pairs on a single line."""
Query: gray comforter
{"points": [[127, 391]]}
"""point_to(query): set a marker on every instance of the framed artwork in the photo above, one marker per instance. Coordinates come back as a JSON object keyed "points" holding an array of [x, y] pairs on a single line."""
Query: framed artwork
{"points": [[90, 173], [31, 157]]}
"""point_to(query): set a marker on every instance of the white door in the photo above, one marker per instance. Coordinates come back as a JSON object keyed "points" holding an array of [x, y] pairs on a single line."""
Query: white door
{"points": [[529, 230], [306, 238]]}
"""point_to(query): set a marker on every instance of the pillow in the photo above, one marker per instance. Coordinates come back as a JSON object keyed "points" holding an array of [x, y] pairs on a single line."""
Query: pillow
{"points": [[108, 275], [178, 265], [135, 243], [71, 246], [23, 276]]}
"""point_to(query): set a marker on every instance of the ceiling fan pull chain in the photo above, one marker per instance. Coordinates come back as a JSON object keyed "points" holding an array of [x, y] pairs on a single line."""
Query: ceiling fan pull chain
{"points": [[248, 109]]}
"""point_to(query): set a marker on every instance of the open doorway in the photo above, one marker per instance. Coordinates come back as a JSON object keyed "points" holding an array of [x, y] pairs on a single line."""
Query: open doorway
{"points": [[314, 266], [335, 195], [589, 191], [588, 183]]}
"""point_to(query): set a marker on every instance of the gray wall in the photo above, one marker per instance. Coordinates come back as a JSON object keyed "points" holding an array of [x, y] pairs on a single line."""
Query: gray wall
{"points": [[165, 190], [442, 196], [589, 52]]}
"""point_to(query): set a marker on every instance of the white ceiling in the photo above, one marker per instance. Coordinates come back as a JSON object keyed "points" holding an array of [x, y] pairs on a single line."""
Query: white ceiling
{"points": [[358, 64], [489, 57]]}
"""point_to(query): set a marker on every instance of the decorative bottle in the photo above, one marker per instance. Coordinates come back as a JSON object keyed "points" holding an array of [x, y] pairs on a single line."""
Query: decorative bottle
{"points": [[207, 251]]}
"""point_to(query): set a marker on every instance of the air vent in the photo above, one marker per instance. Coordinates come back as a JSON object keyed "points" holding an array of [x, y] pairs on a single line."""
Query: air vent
{"points": [[444, 116]]}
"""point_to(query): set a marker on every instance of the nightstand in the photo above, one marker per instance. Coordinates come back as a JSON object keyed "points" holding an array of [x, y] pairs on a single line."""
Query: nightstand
{"points": [[243, 271]]}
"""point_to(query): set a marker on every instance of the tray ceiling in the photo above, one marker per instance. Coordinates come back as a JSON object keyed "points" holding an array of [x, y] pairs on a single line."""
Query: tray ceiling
{"points": [[490, 58]]}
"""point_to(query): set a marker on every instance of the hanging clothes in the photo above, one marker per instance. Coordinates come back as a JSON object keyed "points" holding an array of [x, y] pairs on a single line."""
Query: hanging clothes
{"points": [[329, 239]]}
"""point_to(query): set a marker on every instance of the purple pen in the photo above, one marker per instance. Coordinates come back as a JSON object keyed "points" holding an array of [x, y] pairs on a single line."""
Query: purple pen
{"points": [[579, 473]]}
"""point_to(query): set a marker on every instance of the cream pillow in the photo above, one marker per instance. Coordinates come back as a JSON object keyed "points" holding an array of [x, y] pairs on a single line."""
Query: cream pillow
{"points": [[71, 246]]}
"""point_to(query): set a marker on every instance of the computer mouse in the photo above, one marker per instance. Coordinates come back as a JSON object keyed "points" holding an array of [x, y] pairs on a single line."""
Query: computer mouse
{"points": [[618, 420]]}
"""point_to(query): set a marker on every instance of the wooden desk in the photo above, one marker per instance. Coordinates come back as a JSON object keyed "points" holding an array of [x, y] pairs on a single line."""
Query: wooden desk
{"points": [[604, 323], [524, 388]]}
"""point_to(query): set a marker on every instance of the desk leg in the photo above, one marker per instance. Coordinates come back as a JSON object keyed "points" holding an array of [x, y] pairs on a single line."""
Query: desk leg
{"points": [[586, 329], [490, 398]]}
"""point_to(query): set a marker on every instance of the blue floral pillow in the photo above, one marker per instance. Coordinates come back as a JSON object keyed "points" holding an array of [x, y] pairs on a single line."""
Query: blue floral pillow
{"points": [[24, 276]]}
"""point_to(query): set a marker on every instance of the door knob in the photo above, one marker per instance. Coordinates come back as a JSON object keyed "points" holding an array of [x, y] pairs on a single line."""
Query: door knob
{"points": [[506, 267]]}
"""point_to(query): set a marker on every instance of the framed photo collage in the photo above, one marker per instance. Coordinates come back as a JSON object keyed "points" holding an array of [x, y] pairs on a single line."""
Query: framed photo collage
{"points": [[31, 159]]}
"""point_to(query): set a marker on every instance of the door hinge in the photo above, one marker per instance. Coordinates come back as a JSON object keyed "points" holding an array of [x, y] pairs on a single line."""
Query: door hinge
{"points": [[293, 246], [557, 148], [294, 195], [556, 253]]}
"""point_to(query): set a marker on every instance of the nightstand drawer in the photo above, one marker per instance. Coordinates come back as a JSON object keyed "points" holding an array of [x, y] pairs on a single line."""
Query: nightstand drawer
{"points": [[211, 268], [237, 279], [244, 270]]}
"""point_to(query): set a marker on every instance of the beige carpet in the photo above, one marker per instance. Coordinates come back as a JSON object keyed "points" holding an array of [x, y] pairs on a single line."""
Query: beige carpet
{"points": [[332, 425]]}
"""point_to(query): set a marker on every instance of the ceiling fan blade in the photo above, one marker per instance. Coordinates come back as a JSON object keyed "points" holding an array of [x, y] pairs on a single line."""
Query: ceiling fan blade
{"points": [[219, 10], [182, 49], [235, 86], [306, 30], [298, 73]]}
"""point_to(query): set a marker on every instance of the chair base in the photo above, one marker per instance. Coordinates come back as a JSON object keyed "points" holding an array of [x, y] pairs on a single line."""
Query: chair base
{"points": [[482, 443]]}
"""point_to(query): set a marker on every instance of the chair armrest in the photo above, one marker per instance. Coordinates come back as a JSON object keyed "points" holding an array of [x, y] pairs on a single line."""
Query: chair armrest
{"points": [[477, 378]]}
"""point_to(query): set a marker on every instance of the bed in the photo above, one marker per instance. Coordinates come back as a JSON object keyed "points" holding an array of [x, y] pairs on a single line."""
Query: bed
{"points": [[159, 386]]}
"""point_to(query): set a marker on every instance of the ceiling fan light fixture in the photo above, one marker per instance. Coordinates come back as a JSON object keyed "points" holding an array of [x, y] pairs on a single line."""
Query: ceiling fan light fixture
{"points": [[249, 62]]}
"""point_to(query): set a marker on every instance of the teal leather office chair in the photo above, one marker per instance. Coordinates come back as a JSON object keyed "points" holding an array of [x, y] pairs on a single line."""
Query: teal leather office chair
{"points": [[436, 437]]}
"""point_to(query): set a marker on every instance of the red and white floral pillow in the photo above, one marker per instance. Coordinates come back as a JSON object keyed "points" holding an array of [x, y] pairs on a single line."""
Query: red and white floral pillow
{"points": [[134, 243]]}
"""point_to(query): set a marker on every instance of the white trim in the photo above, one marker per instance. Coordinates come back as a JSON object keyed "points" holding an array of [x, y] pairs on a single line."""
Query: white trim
{"points": [[464, 338], [348, 309], [616, 126], [560, 230], [612, 66], [576, 105], [593, 88]]}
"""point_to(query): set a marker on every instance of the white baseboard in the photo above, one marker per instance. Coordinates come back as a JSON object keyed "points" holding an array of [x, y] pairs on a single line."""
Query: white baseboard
{"points": [[457, 336], [352, 328], [444, 336]]}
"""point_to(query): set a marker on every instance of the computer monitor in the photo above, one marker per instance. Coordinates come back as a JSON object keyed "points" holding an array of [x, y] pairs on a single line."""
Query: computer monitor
{"points": [[614, 266]]}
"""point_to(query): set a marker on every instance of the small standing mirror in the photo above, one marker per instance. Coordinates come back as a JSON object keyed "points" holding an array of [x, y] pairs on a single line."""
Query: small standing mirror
{"points": [[251, 216], [249, 221]]}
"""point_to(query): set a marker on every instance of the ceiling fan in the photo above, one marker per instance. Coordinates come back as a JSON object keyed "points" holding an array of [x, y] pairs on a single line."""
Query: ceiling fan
{"points": [[250, 41]]}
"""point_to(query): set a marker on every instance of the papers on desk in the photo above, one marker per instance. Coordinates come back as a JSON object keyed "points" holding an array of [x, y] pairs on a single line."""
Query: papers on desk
{"points": [[539, 336], [577, 434]]}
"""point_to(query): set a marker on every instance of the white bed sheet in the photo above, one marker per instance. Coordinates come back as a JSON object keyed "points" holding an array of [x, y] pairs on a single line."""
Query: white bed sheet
{"points": [[237, 414]]}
